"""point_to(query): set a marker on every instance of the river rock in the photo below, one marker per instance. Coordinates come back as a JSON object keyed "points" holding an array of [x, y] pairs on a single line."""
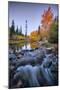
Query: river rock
{"points": [[12, 57], [26, 60], [49, 50], [19, 56]]}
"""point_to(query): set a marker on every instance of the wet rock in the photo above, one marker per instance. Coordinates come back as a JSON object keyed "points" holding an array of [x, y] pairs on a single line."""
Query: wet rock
{"points": [[17, 80], [19, 56], [10, 51], [12, 57], [11, 75], [11, 67], [54, 66], [26, 60], [19, 84], [47, 64], [54, 74], [47, 61], [49, 50], [40, 56]]}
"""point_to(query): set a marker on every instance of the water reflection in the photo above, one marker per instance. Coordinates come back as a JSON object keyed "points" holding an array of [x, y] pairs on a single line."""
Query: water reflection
{"points": [[34, 45], [24, 45]]}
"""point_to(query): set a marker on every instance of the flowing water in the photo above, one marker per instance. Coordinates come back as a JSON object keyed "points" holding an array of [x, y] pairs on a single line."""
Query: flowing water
{"points": [[37, 75]]}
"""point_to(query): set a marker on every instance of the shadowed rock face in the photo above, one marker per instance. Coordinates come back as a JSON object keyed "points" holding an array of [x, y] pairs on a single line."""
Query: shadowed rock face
{"points": [[33, 68]]}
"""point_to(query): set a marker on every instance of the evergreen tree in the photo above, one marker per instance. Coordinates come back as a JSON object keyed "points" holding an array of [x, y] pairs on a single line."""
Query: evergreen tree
{"points": [[39, 30], [20, 32], [12, 28], [53, 33], [17, 30]]}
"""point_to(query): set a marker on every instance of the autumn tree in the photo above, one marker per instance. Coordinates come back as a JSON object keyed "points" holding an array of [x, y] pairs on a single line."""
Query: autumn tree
{"points": [[34, 35], [47, 18]]}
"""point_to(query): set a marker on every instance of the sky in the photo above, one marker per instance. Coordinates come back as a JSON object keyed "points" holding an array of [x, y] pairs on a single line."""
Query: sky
{"points": [[21, 11]]}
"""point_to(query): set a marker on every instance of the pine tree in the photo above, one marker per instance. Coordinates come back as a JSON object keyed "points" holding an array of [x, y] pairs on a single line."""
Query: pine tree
{"points": [[17, 30], [20, 32], [12, 28]]}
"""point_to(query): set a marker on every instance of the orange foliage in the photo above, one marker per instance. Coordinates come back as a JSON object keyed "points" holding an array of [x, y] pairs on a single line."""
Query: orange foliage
{"points": [[33, 35], [47, 17], [34, 45], [42, 32]]}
